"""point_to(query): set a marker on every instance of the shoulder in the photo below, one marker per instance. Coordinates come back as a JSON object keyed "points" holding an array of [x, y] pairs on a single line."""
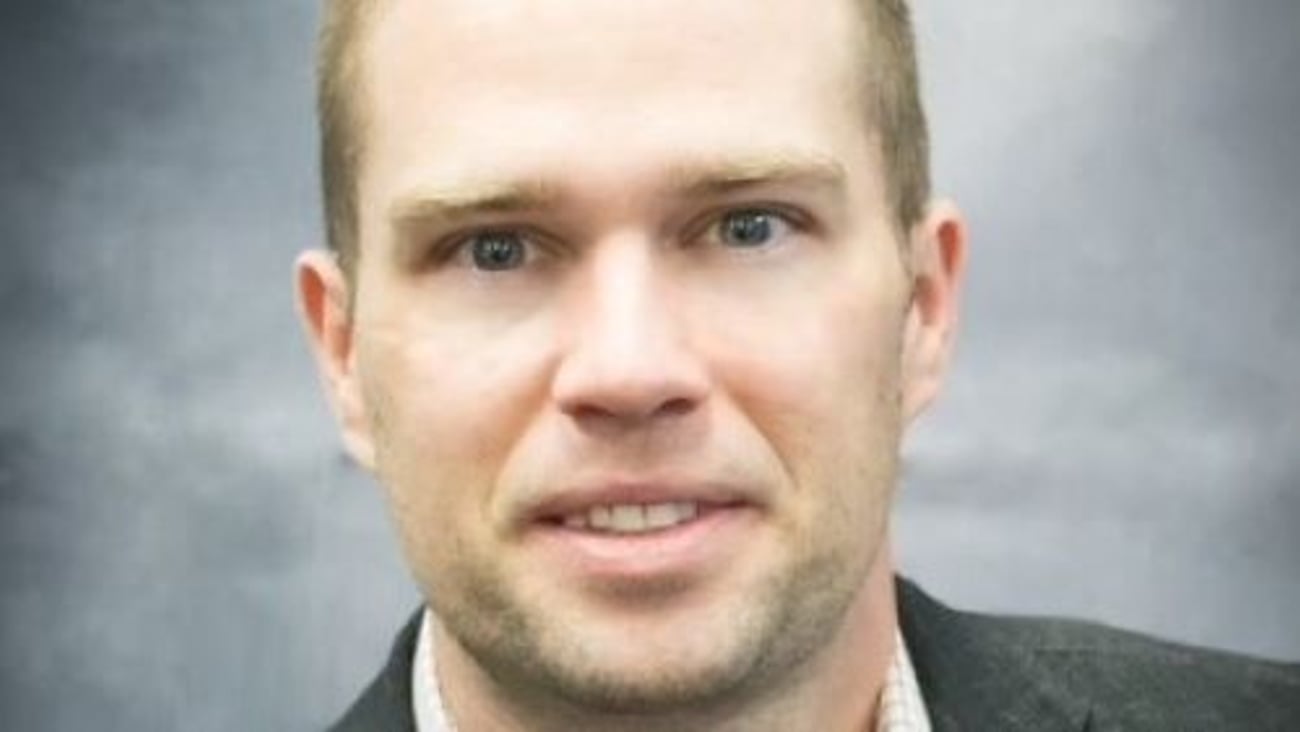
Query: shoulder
{"points": [[1093, 674], [386, 703], [1149, 683]]}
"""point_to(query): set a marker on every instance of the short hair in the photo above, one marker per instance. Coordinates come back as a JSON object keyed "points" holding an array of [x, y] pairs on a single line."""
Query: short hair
{"points": [[892, 94]]}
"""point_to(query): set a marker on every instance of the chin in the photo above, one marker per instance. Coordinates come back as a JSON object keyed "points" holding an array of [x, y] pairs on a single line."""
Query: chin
{"points": [[698, 657]]}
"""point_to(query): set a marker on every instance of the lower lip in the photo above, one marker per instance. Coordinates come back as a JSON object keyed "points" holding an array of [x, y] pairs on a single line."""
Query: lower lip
{"points": [[689, 548]]}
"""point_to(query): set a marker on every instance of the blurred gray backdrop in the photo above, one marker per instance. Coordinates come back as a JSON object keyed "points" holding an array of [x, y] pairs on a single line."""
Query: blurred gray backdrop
{"points": [[183, 545]]}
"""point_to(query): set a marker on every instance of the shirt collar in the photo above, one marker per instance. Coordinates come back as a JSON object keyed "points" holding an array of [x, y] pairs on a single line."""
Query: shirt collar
{"points": [[902, 708], [425, 695]]}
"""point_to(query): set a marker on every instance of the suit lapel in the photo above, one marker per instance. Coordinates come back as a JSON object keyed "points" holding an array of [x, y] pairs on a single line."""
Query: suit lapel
{"points": [[386, 704], [975, 676]]}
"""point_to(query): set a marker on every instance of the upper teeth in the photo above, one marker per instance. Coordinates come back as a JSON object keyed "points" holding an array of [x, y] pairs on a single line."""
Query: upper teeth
{"points": [[633, 517]]}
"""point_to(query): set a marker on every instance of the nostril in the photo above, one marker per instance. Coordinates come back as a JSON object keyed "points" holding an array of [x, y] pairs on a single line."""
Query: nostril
{"points": [[589, 412], [676, 407], [670, 408], [627, 415]]}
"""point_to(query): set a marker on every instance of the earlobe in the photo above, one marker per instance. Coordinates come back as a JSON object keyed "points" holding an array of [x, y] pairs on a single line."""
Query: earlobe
{"points": [[323, 306], [938, 261]]}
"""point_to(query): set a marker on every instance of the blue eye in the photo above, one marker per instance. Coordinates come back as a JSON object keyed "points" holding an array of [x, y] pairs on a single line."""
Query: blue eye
{"points": [[751, 228], [497, 251]]}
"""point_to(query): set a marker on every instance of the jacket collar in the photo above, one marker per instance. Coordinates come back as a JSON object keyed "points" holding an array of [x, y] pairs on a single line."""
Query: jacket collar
{"points": [[977, 673], [386, 703]]}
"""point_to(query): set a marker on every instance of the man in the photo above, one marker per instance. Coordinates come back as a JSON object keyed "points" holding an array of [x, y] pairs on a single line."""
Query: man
{"points": [[627, 307]]}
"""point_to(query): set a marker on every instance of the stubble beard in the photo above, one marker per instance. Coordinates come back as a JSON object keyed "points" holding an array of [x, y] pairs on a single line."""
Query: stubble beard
{"points": [[776, 633], [779, 628]]}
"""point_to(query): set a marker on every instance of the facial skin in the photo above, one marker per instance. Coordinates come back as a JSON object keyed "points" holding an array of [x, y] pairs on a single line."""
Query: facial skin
{"points": [[608, 258]]}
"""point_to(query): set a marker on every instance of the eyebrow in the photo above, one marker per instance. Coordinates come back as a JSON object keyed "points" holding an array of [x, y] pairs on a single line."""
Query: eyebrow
{"points": [[454, 203], [714, 178], [691, 179]]}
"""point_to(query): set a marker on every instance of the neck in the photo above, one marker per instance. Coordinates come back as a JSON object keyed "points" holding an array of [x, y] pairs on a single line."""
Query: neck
{"points": [[837, 689]]}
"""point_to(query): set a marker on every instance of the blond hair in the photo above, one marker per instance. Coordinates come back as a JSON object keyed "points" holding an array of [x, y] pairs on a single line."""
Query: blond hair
{"points": [[892, 94]]}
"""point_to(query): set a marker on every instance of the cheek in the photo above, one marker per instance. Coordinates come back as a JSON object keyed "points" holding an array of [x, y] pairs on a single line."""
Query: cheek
{"points": [[823, 354], [446, 408], [819, 380]]}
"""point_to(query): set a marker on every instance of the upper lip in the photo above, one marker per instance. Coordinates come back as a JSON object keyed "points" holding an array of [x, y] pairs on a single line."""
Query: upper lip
{"points": [[557, 505]]}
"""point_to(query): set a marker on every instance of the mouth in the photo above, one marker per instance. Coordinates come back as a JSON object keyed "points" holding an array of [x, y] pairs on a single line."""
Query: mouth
{"points": [[619, 539], [632, 519], [630, 509]]}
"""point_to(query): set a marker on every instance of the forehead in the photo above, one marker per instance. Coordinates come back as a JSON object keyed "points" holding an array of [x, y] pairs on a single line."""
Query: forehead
{"points": [[652, 39], [462, 85]]}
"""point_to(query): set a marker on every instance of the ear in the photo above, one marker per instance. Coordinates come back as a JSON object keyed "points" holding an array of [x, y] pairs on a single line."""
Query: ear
{"points": [[937, 259], [323, 306]]}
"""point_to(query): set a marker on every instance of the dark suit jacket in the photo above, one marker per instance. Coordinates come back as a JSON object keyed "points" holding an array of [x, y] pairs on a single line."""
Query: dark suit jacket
{"points": [[983, 673]]}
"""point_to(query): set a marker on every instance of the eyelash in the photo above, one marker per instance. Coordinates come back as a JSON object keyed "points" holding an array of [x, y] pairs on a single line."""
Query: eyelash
{"points": [[796, 221], [459, 245]]}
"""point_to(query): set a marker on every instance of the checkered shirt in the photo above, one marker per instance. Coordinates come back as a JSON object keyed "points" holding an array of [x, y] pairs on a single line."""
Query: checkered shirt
{"points": [[901, 707]]}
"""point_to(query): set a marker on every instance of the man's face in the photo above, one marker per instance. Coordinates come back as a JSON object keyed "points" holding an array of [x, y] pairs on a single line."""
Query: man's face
{"points": [[629, 320]]}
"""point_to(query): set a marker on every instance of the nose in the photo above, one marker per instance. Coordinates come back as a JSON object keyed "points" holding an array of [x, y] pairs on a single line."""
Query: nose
{"points": [[628, 361]]}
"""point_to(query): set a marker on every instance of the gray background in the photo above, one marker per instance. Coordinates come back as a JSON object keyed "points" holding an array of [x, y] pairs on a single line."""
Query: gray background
{"points": [[183, 545]]}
